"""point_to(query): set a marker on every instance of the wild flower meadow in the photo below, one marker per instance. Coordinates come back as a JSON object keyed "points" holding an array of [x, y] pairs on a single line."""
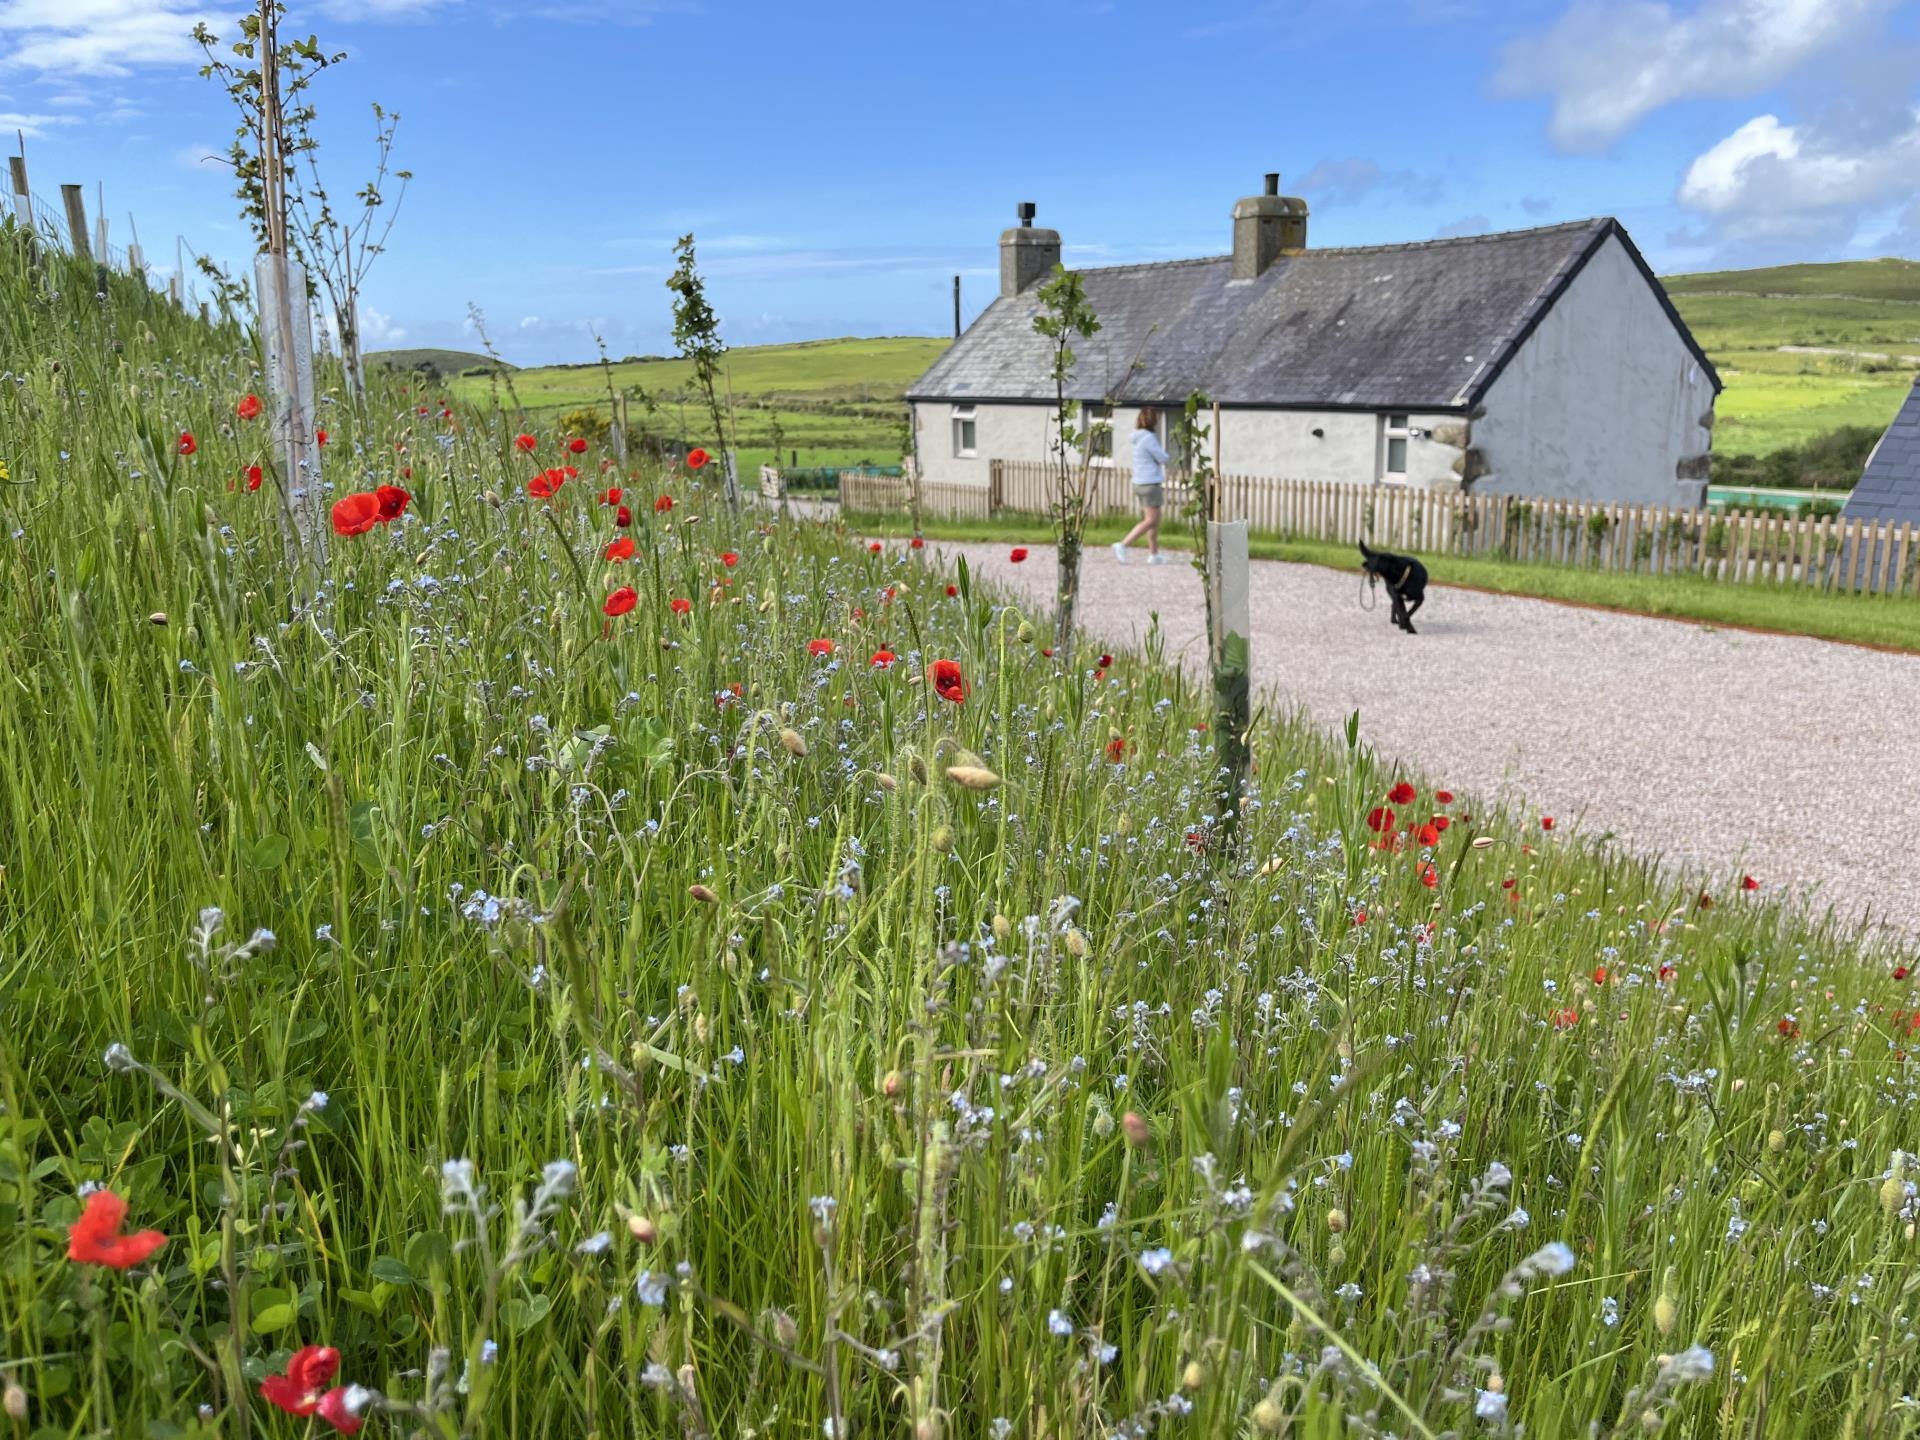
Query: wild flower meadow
{"points": [[603, 967]]}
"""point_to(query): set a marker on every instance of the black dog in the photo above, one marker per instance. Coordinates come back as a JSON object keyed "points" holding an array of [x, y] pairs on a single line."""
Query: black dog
{"points": [[1406, 581]]}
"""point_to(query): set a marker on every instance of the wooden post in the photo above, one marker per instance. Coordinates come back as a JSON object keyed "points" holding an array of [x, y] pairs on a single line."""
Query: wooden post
{"points": [[1230, 612], [76, 204], [22, 196]]}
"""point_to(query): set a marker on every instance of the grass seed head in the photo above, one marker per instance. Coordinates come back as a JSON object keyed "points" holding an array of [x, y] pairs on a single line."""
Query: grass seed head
{"points": [[1269, 1415], [795, 744], [1665, 1313], [1077, 942]]}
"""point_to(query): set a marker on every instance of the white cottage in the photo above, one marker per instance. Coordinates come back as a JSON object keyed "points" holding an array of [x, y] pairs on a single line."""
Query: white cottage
{"points": [[1543, 362]]}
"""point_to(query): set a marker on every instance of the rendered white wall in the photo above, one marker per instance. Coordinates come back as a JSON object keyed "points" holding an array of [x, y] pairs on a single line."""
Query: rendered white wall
{"points": [[1602, 401]]}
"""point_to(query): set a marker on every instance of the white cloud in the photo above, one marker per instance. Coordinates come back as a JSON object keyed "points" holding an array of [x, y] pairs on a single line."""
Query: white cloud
{"points": [[33, 126], [1767, 168], [203, 159], [356, 10], [98, 37], [1609, 66]]}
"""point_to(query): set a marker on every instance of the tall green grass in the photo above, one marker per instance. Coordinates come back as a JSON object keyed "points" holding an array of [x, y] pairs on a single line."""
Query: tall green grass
{"points": [[890, 1106]]}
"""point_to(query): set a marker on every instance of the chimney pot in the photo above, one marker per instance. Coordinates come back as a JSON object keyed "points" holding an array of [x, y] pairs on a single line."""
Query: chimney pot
{"points": [[1273, 182], [1027, 211]]}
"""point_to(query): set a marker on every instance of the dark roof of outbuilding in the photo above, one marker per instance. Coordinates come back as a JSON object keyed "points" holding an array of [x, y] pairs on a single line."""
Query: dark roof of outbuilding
{"points": [[1889, 488], [1427, 326]]}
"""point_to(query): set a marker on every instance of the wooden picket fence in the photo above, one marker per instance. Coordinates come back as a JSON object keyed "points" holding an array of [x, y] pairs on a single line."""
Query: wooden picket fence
{"points": [[1830, 552]]}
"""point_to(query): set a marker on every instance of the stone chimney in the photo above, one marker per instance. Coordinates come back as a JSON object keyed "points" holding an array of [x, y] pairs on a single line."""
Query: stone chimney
{"points": [[1027, 255], [1264, 228]]}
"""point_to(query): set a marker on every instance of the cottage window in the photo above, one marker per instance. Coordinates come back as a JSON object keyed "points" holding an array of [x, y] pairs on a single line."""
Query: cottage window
{"points": [[1096, 428], [1395, 432], [965, 433]]}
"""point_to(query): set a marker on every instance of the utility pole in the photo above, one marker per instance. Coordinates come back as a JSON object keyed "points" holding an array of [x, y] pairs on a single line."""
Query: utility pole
{"points": [[956, 307]]}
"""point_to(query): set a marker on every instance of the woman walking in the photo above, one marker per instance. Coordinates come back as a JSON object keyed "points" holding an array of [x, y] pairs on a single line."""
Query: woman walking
{"points": [[1149, 486]]}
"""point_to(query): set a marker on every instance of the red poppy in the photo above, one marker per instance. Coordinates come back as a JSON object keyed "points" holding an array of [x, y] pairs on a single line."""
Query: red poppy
{"points": [[1509, 882], [187, 444], [1106, 662], [696, 457], [680, 606], [1360, 917], [886, 595], [1196, 841], [569, 472], [819, 647], [1427, 834], [577, 445], [952, 590], [1667, 972], [1401, 794], [1047, 650], [874, 547], [249, 408], [729, 559], [95, 1238], [335, 1410], [1788, 1028], [1705, 902], [916, 543], [1380, 819], [1018, 554], [1565, 1019], [356, 514], [525, 443], [621, 549], [1429, 877], [1440, 822], [883, 659], [612, 496], [1900, 972], [1099, 674], [393, 502], [406, 472], [546, 484], [623, 517], [948, 682], [254, 476], [319, 437], [1117, 749], [663, 504], [621, 601], [1599, 974], [1443, 797], [299, 1391], [1747, 882], [1546, 822], [423, 410]]}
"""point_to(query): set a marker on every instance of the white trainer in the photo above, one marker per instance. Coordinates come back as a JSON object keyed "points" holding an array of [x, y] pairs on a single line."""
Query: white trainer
{"points": [[1159, 557], [1119, 552]]}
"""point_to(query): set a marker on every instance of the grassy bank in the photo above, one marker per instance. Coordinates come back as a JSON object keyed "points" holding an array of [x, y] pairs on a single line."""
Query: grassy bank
{"points": [[613, 998], [1860, 619]]}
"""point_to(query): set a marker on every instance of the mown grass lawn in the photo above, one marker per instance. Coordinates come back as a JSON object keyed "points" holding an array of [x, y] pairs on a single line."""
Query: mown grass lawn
{"points": [[746, 988]]}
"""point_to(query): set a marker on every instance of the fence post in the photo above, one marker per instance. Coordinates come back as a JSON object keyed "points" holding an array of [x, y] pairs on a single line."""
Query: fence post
{"points": [[996, 482], [1231, 614], [76, 203]]}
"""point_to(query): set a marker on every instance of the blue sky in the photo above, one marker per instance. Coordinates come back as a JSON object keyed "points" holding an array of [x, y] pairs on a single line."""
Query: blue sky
{"points": [[839, 163]]}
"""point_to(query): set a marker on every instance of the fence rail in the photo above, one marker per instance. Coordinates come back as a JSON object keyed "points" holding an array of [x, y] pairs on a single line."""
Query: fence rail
{"points": [[1829, 552]]}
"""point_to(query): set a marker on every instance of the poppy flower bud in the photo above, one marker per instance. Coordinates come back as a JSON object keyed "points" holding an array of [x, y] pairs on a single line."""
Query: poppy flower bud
{"points": [[793, 742], [1002, 929], [943, 839], [887, 783], [917, 768], [893, 1084], [1135, 1129], [972, 777], [158, 617], [642, 1229], [1103, 1124], [1269, 1415], [1077, 943], [1482, 842], [492, 498], [1665, 1313], [1776, 1140], [702, 894], [1336, 1220], [1026, 632], [1337, 1256], [784, 1330], [1193, 1376], [926, 1428], [15, 1402]]}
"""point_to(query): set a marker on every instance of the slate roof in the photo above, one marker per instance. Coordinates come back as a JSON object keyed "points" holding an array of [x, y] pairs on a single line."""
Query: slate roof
{"points": [[1889, 488], [1426, 326]]}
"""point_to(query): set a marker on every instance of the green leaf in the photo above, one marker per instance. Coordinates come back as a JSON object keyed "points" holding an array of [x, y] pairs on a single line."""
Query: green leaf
{"points": [[363, 822], [393, 1271], [269, 852], [274, 1317], [520, 1316]]}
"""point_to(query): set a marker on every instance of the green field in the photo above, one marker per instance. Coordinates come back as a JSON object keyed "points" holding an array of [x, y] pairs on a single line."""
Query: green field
{"points": [[836, 402], [1777, 401], [752, 989]]}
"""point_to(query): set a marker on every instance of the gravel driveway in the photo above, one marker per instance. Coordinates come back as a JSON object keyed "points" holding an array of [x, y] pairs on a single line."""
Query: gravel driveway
{"points": [[1796, 760]]}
